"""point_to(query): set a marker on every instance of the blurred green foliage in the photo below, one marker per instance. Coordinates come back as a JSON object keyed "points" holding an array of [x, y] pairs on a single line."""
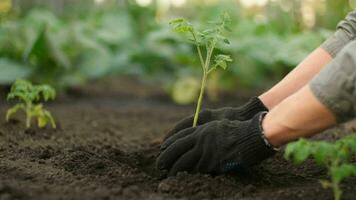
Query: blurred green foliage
{"points": [[127, 39]]}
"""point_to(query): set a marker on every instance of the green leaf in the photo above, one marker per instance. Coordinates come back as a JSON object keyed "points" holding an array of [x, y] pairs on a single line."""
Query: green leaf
{"points": [[181, 25], [228, 28], [44, 117], [56, 51], [95, 64], [298, 151], [45, 47], [47, 92], [14, 110], [11, 70], [42, 121], [324, 152], [343, 171], [34, 43], [23, 90], [49, 116], [226, 41], [350, 142], [221, 61]]}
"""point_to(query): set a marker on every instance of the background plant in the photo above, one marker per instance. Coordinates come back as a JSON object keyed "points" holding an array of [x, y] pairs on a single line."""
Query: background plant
{"points": [[65, 43], [334, 156], [28, 94]]}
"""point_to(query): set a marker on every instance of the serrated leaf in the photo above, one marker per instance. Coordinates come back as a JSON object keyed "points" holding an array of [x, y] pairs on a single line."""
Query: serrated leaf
{"points": [[221, 60], [341, 172], [324, 152], [298, 151], [181, 25], [13, 110], [47, 92]]}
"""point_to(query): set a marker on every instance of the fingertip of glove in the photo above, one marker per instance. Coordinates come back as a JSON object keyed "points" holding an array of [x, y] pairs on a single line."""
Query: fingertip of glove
{"points": [[159, 165]]}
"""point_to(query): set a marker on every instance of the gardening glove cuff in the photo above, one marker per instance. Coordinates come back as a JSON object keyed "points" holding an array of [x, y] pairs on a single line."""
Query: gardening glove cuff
{"points": [[252, 147], [247, 111]]}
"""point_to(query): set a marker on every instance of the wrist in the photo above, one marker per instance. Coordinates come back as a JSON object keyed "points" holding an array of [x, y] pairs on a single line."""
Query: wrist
{"points": [[265, 138], [275, 132]]}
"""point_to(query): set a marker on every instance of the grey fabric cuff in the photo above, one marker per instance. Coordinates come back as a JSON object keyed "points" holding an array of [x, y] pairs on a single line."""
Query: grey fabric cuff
{"points": [[336, 42], [335, 85], [346, 31]]}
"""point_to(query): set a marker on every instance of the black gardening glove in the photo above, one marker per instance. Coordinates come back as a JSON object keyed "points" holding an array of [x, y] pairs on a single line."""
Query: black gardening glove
{"points": [[216, 147], [245, 112]]}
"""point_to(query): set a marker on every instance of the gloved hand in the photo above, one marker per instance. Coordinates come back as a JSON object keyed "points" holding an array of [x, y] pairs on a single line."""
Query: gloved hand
{"points": [[216, 147], [245, 112]]}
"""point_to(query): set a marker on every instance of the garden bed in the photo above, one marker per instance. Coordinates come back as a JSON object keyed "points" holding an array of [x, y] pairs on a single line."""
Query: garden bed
{"points": [[106, 145]]}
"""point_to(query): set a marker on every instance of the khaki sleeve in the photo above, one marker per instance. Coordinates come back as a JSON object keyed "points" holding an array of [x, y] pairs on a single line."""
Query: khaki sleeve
{"points": [[346, 32]]}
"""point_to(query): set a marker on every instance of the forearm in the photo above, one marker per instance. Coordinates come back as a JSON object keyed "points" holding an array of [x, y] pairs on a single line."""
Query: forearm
{"points": [[346, 32], [329, 98], [297, 78], [300, 115]]}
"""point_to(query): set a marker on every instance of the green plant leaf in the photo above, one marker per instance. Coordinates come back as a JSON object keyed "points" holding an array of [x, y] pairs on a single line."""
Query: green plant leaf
{"points": [[350, 142], [181, 25], [11, 70], [45, 48], [226, 41], [50, 118], [47, 92], [324, 152], [14, 110], [28, 93], [42, 121], [298, 151], [343, 171], [221, 61], [23, 90]]}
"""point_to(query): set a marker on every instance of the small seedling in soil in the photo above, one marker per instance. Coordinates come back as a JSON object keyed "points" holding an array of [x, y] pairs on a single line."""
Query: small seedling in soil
{"points": [[28, 94], [208, 39], [334, 156]]}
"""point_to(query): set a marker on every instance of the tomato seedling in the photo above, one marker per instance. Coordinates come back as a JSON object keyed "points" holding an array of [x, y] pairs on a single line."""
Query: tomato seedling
{"points": [[334, 156], [208, 39], [27, 94]]}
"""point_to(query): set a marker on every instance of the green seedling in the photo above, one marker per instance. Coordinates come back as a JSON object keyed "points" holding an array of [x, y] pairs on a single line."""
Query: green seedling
{"points": [[334, 156], [27, 94], [208, 39]]}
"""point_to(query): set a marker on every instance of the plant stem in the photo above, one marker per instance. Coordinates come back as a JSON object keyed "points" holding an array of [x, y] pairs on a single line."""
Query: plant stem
{"points": [[28, 115], [200, 99], [337, 191], [334, 183], [203, 83], [198, 49]]}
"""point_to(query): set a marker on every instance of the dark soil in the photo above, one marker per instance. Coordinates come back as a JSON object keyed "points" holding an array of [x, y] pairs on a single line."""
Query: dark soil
{"points": [[106, 145]]}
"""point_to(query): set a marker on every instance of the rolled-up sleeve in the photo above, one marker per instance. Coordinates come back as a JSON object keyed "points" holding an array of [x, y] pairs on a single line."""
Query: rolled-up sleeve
{"points": [[346, 32]]}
